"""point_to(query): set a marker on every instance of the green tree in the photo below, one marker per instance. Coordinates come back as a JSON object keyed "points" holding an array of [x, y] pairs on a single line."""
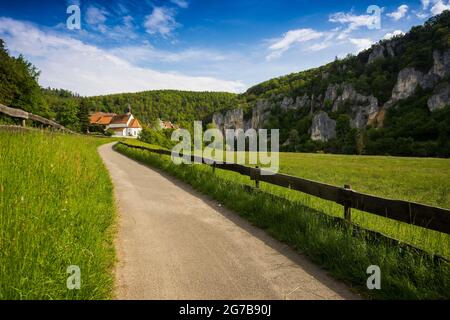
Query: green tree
{"points": [[18, 84], [83, 116]]}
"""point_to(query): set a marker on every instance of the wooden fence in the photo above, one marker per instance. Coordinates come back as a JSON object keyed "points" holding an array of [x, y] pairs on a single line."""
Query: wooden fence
{"points": [[20, 114], [425, 216]]}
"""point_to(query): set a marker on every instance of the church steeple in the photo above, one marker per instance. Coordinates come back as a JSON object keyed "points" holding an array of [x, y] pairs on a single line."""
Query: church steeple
{"points": [[128, 110]]}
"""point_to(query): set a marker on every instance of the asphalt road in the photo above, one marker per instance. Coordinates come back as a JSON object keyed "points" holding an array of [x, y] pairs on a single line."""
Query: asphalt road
{"points": [[174, 243]]}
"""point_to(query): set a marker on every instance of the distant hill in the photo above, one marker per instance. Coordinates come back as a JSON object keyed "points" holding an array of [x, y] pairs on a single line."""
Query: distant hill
{"points": [[180, 107]]}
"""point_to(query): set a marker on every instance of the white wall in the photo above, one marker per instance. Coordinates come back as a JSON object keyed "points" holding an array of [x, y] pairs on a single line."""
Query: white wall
{"points": [[133, 131], [119, 133]]}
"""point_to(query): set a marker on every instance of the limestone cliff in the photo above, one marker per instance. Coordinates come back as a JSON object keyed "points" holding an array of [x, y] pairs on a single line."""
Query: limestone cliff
{"points": [[323, 128]]}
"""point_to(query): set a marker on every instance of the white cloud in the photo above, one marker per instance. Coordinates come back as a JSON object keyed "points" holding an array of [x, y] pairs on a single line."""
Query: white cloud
{"points": [[390, 35], [181, 3], [279, 46], [319, 46], [146, 53], [399, 13], [71, 64], [421, 14], [352, 21], [123, 31], [425, 4], [361, 43], [162, 21], [439, 6], [96, 16], [434, 7]]}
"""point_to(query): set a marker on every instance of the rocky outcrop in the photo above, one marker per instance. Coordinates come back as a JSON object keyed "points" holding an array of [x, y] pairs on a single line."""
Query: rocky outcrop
{"points": [[407, 81], [349, 94], [440, 98], [233, 119], [391, 47], [218, 119], [441, 65], [260, 113], [440, 69], [303, 101], [381, 51], [376, 54], [363, 108], [323, 128], [332, 92], [288, 103]]}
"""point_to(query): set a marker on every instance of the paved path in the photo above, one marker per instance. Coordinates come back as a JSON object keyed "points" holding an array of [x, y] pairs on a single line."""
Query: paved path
{"points": [[174, 243]]}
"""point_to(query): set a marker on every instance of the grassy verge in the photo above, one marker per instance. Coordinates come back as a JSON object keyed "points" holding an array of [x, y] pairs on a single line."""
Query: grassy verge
{"points": [[405, 274], [56, 210]]}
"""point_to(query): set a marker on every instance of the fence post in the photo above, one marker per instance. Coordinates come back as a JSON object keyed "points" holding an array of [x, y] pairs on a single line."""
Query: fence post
{"points": [[24, 123], [256, 178], [214, 166], [347, 207]]}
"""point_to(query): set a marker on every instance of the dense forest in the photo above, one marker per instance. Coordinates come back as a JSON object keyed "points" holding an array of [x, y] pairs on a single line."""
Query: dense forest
{"points": [[408, 126], [180, 107]]}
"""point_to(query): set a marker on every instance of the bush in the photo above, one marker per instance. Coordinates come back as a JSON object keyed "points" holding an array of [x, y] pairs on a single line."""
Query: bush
{"points": [[157, 137], [109, 132]]}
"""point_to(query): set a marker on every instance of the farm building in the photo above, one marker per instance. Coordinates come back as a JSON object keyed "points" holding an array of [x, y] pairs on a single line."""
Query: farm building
{"points": [[167, 125], [124, 125]]}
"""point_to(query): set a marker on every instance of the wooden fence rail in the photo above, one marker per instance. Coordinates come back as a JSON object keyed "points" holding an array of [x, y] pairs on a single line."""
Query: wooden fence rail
{"points": [[425, 216], [20, 114]]}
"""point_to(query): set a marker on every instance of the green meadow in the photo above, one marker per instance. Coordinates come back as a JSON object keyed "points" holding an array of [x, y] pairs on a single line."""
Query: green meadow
{"points": [[423, 180], [307, 223], [56, 210]]}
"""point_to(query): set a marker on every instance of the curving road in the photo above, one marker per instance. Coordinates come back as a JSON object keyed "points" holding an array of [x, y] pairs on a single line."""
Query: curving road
{"points": [[174, 243]]}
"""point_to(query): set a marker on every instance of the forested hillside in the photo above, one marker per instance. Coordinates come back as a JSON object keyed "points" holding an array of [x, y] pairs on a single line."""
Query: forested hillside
{"points": [[181, 107], [390, 99]]}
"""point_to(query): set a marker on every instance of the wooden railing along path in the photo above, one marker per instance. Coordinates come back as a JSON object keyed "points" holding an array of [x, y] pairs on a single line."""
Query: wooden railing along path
{"points": [[433, 218], [20, 114]]}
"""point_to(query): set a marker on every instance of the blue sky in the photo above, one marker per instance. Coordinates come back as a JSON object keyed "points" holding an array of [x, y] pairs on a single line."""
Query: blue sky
{"points": [[129, 46]]}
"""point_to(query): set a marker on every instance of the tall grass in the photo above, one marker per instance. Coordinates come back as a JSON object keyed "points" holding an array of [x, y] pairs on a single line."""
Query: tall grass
{"points": [[56, 210], [406, 274]]}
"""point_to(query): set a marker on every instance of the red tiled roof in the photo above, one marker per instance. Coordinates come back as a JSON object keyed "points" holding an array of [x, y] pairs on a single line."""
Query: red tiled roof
{"points": [[135, 124], [101, 118], [105, 120], [168, 125], [120, 119]]}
